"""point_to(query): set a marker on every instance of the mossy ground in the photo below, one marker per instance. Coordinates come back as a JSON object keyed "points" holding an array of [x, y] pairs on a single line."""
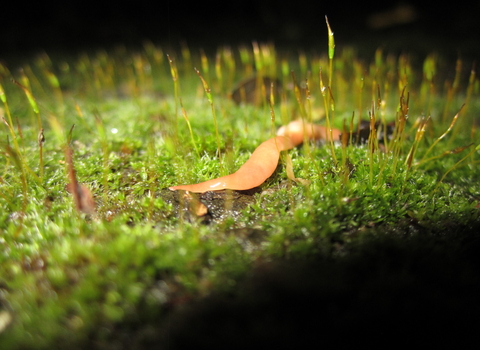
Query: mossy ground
{"points": [[114, 278]]}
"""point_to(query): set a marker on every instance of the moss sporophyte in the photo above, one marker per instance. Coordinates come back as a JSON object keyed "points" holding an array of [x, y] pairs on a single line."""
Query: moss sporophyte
{"points": [[93, 242]]}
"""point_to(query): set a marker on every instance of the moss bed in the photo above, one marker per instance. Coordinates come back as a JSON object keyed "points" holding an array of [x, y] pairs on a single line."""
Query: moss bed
{"points": [[382, 241]]}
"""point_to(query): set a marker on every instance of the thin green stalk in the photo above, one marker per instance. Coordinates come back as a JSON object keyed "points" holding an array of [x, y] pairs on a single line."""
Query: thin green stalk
{"points": [[454, 120], [345, 169], [418, 137], [184, 112], [360, 77], [400, 123], [455, 166], [152, 177], [174, 73], [449, 152], [453, 89], [383, 113], [41, 138], [331, 53], [229, 62], [466, 121], [210, 100], [427, 88], [17, 160], [219, 72], [298, 96], [55, 84], [326, 100], [106, 152], [186, 57], [205, 64], [372, 142], [9, 123], [307, 148]]}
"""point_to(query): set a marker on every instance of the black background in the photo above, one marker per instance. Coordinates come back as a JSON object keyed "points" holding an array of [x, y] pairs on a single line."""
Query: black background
{"points": [[450, 27]]}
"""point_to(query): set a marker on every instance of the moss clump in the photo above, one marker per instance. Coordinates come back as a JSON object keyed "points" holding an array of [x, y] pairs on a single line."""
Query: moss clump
{"points": [[69, 278]]}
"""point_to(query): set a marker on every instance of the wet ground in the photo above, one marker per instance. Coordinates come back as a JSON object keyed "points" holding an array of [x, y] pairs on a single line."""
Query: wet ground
{"points": [[212, 206]]}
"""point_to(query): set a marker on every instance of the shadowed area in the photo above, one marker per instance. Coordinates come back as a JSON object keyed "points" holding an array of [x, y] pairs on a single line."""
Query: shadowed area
{"points": [[410, 288]]}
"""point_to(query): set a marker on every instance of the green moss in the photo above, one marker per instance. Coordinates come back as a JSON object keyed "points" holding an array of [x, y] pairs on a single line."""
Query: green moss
{"points": [[67, 277]]}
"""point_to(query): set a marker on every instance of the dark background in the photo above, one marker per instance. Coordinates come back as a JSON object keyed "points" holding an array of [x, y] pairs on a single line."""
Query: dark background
{"points": [[26, 27]]}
